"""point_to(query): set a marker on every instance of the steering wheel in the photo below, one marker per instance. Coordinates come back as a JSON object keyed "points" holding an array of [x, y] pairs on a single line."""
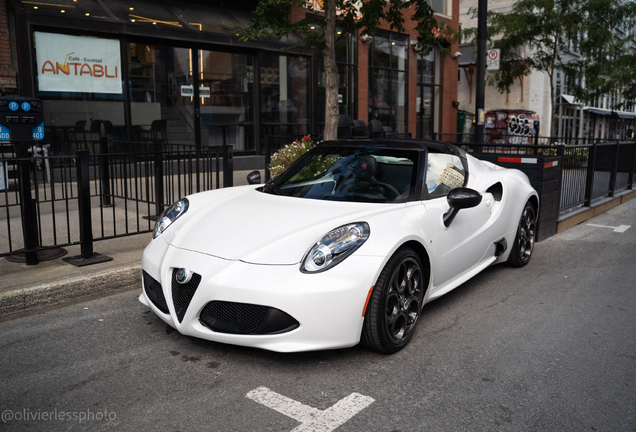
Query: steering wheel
{"points": [[388, 187]]}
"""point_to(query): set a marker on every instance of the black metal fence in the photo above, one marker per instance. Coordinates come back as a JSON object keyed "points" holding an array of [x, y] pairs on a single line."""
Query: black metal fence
{"points": [[590, 169], [101, 190], [96, 190]]}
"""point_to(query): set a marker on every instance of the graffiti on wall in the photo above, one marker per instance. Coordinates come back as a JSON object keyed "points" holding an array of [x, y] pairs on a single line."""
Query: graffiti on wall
{"points": [[510, 127]]}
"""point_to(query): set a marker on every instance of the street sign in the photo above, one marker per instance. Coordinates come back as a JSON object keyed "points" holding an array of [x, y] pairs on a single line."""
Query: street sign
{"points": [[492, 62]]}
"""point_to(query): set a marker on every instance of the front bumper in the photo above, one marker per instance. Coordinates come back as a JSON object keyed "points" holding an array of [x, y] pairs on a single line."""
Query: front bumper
{"points": [[327, 306]]}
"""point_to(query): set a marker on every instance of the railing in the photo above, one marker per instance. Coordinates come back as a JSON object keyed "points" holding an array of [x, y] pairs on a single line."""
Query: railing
{"points": [[123, 187], [596, 170], [589, 170]]}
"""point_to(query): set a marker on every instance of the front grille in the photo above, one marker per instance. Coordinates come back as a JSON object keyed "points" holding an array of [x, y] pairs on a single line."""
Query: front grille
{"points": [[237, 318], [154, 292], [242, 318], [182, 293]]}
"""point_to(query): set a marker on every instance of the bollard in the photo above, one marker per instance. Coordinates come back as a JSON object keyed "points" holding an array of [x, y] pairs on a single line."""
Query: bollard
{"points": [[27, 205], [84, 205], [85, 220]]}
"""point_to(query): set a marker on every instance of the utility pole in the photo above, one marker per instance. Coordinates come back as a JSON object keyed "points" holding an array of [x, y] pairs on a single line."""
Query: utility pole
{"points": [[480, 89]]}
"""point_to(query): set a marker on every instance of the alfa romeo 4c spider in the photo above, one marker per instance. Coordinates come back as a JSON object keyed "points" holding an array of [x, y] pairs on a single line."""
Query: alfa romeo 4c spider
{"points": [[345, 246]]}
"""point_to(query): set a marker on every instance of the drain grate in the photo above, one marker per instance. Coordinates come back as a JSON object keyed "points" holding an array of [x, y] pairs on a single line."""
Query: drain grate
{"points": [[43, 255]]}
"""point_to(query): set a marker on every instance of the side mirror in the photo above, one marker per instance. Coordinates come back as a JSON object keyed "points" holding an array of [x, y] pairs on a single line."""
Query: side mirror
{"points": [[460, 198], [254, 177]]}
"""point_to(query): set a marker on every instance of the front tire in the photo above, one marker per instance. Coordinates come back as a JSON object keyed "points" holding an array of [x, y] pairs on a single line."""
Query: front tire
{"points": [[395, 304], [524, 240]]}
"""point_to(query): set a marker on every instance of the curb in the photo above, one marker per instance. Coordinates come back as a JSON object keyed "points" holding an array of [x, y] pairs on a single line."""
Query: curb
{"points": [[589, 212], [69, 291]]}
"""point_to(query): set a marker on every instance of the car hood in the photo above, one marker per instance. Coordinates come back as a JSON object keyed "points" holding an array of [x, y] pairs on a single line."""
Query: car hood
{"points": [[247, 225]]}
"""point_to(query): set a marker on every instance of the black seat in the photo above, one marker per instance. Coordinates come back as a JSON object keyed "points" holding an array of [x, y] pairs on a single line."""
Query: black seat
{"points": [[359, 130], [376, 130], [388, 132], [96, 129], [77, 130], [157, 131], [345, 124]]}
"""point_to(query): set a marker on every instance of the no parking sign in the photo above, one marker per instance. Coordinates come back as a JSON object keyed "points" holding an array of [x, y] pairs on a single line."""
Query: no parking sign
{"points": [[492, 62]]}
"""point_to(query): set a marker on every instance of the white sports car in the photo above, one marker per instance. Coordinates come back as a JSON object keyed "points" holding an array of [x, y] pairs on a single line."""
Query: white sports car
{"points": [[346, 245]]}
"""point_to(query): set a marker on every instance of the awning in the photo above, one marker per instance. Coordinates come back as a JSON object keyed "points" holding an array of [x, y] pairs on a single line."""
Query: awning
{"points": [[599, 111], [568, 99], [625, 115]]}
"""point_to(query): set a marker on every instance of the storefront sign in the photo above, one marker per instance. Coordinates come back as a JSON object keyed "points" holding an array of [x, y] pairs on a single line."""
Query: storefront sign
{"points": [[187, 91], [78, 63], [204, 92]]}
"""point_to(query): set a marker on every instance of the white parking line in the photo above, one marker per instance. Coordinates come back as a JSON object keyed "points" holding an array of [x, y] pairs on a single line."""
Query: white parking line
{"points": [[312, 419], [618, 229]]}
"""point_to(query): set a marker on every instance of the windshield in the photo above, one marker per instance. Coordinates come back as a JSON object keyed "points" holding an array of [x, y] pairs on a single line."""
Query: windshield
{"points": [[350, 174]]}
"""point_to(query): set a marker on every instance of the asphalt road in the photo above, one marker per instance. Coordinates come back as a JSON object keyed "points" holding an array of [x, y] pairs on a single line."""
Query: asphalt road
{"points": [[549, 347]]}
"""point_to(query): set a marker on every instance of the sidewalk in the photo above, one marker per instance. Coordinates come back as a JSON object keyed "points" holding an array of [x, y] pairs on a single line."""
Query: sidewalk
{"points": [[55, 283]]}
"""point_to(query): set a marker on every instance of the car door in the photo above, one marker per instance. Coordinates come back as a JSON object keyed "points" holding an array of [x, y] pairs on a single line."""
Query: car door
{"points": [[462, 245]]}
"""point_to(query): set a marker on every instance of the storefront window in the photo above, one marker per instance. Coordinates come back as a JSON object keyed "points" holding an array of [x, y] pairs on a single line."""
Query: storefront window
{"points": [[80, 83], [346, 61], [161, 93], [388, 60], [426, 89], [227, 94], [284, 94]]}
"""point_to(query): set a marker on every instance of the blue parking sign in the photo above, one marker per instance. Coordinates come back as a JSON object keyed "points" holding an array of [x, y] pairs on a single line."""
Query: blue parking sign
{"points": [[38, 132], [5, 133]]}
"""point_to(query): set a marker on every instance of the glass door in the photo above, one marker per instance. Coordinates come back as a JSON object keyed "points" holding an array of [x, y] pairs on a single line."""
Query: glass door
{"points": [[226, 98], [161, 94], [425, 112]]}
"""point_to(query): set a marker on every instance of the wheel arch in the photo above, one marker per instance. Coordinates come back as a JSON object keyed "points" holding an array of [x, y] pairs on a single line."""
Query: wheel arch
{"points": [[421, 252], [534, 202]]}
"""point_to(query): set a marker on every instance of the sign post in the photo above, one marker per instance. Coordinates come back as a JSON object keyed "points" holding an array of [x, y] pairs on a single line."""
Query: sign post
{"points": [[22, 122]]}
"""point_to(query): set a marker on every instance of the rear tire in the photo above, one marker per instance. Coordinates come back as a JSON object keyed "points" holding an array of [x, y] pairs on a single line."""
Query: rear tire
{"points": [[395, 304], [524, 240]]}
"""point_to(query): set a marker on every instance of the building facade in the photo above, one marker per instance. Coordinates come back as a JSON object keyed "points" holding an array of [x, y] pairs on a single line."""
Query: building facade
{"points": [[603, 119], [140, 69]]}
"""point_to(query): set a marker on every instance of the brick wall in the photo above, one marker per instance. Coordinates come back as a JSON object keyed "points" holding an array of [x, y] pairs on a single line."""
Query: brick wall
{"points": [[8, 72], [448, 114]]}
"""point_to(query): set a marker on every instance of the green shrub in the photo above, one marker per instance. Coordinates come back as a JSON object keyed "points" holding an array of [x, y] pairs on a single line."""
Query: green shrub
{"points": [[285, 156]]}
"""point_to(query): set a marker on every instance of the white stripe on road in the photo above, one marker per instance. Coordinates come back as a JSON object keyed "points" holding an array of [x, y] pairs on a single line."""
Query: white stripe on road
{"points": [[618, 229], [312, 419]]}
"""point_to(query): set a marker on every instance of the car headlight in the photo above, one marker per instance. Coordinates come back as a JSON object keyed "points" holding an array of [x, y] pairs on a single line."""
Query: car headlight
{"points": [[334, 247], [170, 215]]}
